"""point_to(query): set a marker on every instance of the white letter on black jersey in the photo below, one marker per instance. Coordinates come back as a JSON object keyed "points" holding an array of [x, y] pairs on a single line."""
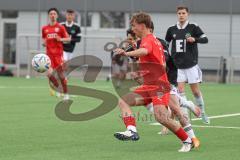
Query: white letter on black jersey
{"points": [[180, 45]]}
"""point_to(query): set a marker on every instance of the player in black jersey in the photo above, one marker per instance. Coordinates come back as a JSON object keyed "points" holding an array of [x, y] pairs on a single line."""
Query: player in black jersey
{"points": [[74, 31], [120, 63], [184, 37]]}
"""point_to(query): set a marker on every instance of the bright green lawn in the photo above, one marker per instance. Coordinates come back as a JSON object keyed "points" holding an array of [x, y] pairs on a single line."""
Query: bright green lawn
{"points": [[29, 129]]}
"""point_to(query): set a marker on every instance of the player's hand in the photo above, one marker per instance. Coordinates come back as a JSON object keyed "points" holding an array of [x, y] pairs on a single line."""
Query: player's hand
{"points": [[119, 51], [191, 40], [58, 39], [68, 42]]}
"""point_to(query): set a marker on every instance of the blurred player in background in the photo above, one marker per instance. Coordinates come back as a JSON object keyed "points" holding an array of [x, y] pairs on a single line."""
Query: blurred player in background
{"points": [[74, 30], [184, 37], [119, 66], [150, 52], [134, 43], [54, 35]]}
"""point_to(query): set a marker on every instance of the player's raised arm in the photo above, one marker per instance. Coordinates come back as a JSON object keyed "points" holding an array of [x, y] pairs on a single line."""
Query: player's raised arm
{"points": [[136, 53], [65, 38]]}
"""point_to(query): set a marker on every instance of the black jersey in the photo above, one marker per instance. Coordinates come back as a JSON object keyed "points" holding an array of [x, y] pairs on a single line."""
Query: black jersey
{"points": [[171, 67], [73, 30], [185, 54]]}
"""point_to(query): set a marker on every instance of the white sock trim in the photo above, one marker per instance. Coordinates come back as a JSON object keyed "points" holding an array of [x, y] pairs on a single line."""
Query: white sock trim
{"points": [[132, 128]]}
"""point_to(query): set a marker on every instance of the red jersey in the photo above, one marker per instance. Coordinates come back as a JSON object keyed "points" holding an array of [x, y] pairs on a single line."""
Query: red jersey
{"points": [[156, 87], [49, 33], [154, 61]]}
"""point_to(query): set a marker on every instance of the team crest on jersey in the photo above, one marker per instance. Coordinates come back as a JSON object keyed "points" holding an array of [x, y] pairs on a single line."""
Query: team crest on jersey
{"points": [[188, 35], [73, 31], [57, 29]]}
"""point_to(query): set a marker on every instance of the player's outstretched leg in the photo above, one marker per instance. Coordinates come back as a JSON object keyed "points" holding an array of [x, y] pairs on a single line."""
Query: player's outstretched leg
{"points": [[199, 101], [52, 81], [188, 128], [63, 81], [183, 119], [128, 118], [191, 106], [162, 116]]}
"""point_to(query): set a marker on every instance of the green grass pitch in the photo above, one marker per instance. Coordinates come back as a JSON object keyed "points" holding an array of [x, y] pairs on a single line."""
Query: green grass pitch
{"points": [[30, 130]]}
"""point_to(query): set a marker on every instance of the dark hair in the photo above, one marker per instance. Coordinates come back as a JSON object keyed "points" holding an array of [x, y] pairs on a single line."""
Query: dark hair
{"points": [[182, 8], [143, 18], [129, 31], [53, 9], [70, 11], [152, 26]]}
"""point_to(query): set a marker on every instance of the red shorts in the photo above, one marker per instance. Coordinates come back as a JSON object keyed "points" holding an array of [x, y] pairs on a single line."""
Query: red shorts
{"points": [[151, 93], [56, 60]]}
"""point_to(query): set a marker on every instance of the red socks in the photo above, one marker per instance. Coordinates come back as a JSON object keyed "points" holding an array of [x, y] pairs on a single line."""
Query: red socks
{"points": [[55, 83], [129, 121], [53, 80], [181, 134], [64, 85]]}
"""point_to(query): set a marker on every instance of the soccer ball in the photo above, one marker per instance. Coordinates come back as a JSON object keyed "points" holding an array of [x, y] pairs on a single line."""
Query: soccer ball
{"points": [[41, 63]]}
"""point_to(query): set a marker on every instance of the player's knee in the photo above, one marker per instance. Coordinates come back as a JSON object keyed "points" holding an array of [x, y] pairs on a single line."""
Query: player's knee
{"points": [[161, 119], [160, 116]]}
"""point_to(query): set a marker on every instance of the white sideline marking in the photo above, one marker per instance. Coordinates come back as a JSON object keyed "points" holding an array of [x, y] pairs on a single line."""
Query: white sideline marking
{"points": [[220, 127], [212, 117], [219, 116]]}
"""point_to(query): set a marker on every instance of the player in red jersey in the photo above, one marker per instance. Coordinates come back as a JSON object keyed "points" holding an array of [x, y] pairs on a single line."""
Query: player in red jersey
{"points": [[155, 88], [54, 35]]}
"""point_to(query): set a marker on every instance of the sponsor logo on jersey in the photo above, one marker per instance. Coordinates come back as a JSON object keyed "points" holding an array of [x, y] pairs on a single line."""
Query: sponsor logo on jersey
{"points": [[52, 35]]}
